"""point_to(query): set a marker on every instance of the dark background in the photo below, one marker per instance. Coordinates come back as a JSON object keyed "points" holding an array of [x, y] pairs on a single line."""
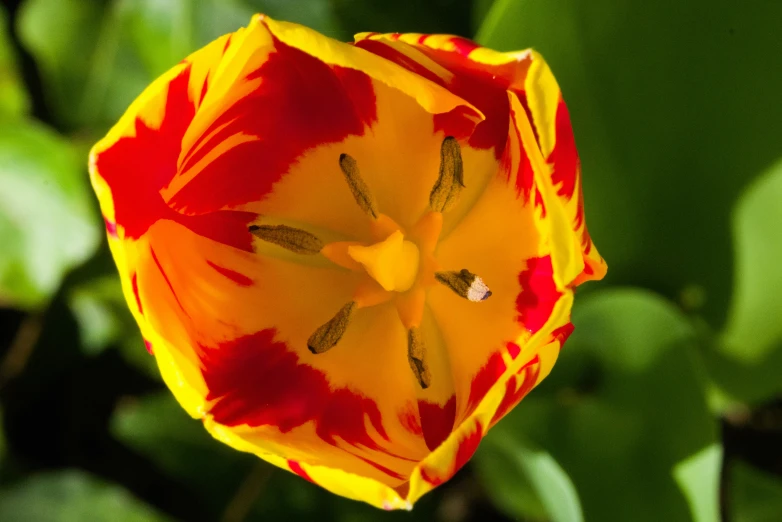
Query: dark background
{"points": [[665, 404]]}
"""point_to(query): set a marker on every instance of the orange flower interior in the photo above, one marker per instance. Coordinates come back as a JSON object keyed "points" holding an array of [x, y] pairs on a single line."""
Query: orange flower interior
{"points": [[349, 259], [398, 266]]}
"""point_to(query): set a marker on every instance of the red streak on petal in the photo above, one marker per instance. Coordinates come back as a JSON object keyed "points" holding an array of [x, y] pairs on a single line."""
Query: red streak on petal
{"points": [[564, 157], [517, 387], [167, 280], [257, 381], [204, 88], [111, 227], [227, 227], [361, 92], [300, 103], [408, 418], [236, 277], [485, 378], [522, 96], [475, 85], [148, 346], [134, 286], [403, 489], [563, 333], [437, 421], [538, 295], [463, 45], [466, 449], [525, 176], [481, 88], [431, 477], [513, 350], [586, 239], [381, 468], [137, 167], [297, 469], [384, 50], [458, 123]]}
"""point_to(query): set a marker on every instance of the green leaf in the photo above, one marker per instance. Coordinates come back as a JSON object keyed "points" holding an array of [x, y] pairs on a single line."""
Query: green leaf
{"points": [[76, 47], [754, 329], [94, 306], [96, 57], [157, 427], [675, 109], [624, 412], [104, 320], [755, 496], [14, 101], [71, 496], [526, 482], [47, 220], [746, 357], [480, 8], [699, 479]]}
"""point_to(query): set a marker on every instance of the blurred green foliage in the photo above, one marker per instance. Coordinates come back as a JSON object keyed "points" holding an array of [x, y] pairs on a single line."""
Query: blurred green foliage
{"points": [[72, 496], [666, 402], [47, 219]]}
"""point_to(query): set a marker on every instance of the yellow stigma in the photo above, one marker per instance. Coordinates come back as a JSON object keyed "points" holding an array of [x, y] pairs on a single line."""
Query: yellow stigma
{"points": [[393, 263]]}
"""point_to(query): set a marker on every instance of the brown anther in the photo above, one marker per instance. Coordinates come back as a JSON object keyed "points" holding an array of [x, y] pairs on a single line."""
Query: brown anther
{"points": [[466, 284], [416, 352], [450, 183], [289, 238], [357, 186], [328, 335]]}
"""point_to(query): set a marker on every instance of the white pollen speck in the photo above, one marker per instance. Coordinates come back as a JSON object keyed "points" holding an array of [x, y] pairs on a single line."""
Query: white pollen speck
{"points": [[478, 290]]}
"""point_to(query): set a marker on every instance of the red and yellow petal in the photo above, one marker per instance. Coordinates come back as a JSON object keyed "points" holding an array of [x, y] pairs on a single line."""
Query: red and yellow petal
{"points": [[249, 130], [478, 74]]}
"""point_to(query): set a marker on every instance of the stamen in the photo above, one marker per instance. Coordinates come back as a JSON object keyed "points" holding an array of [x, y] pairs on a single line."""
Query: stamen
{"points": [[416, 351], [328, 335], [449, 185], [466, 284], [289, 238], [357, 186]]}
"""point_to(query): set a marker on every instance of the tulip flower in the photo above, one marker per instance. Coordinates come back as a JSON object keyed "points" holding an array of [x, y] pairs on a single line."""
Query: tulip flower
{"points": [[349, 259]]}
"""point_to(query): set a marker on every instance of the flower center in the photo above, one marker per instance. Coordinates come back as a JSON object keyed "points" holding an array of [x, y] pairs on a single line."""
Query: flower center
{"points": [[393, 262], [399, 267]]}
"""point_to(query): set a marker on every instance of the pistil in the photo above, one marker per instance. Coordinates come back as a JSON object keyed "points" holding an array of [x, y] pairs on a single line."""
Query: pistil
{"points": [[398, 266], [393, 262]]}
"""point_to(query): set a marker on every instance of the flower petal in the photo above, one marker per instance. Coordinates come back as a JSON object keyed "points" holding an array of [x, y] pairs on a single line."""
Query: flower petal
{"points": [[479, 75], [539, 246], [228, 316], [250, 131], [522, 374]]}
